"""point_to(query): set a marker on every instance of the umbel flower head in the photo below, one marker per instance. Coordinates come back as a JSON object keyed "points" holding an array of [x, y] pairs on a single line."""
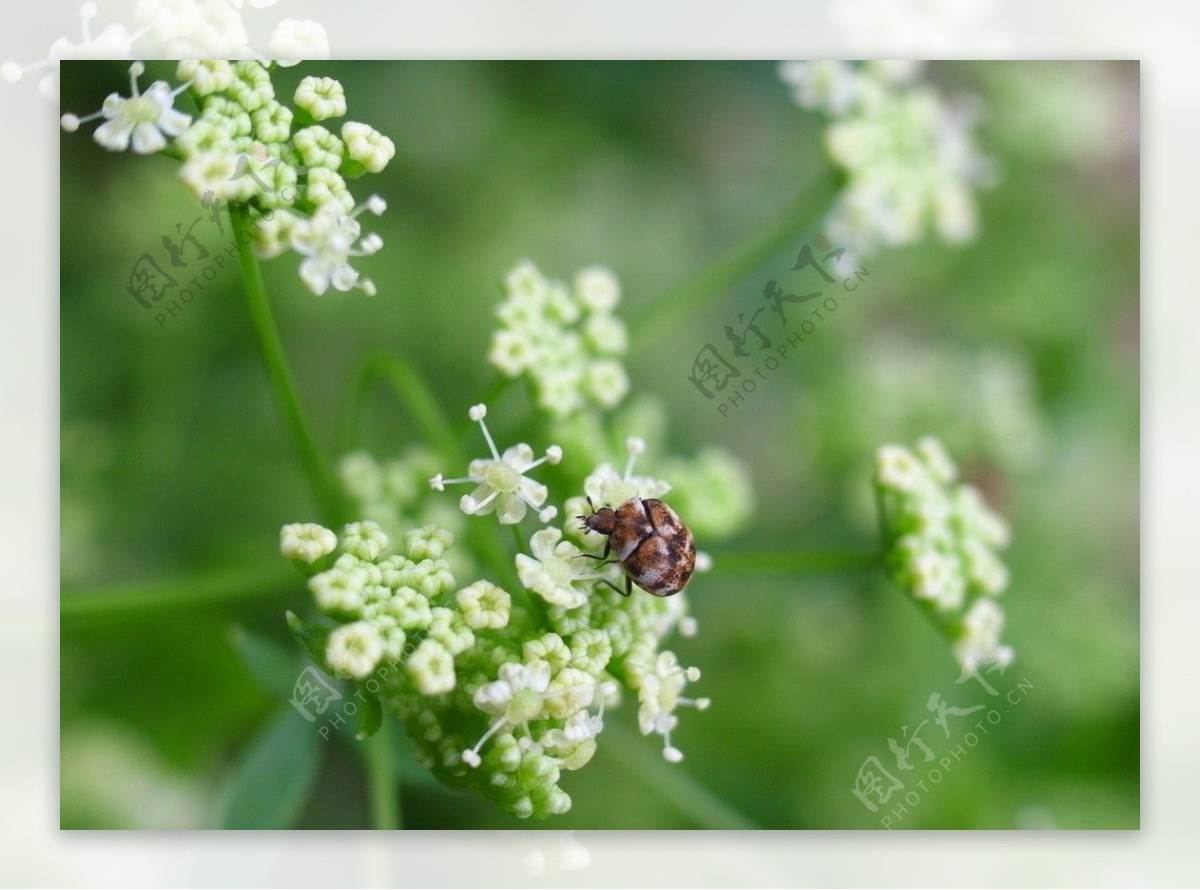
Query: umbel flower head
{"points": [[942, 547], [280, 163], [908, 155], [504, 683], [566, 340]]}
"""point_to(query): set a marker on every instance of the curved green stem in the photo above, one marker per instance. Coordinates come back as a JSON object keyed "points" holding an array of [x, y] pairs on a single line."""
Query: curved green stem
{"points": [[673, 783], [413, 393], [718, 277], [320, 476], [795, 563], [383, 787]]}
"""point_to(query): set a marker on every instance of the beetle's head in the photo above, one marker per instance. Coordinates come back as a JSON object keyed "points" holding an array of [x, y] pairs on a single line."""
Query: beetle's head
{"points": [[603, 520]]}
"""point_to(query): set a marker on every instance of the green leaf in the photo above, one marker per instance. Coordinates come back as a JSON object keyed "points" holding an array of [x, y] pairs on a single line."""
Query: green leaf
{"points": [[370, 714], [274, 667], [274, 775], [313, 637]]}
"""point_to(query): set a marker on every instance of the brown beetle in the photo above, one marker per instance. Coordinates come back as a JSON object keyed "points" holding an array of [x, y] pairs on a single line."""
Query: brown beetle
{"points": [[654, 547]]}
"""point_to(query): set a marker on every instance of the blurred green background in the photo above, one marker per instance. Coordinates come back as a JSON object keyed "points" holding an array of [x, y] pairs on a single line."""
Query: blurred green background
{"points": [[1019, 349]]}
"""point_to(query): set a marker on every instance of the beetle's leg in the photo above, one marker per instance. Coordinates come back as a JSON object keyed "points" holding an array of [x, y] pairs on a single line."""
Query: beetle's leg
{"points": [[602, 560], [614, 587], [607, 547], [628, 586]]}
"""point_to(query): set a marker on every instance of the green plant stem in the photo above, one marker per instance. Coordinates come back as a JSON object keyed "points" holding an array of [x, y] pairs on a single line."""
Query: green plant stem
{"points": [[718, 277], [199, 591], [795, 563], [324, 485], [383, 788], [672, 782], [413, 393]]}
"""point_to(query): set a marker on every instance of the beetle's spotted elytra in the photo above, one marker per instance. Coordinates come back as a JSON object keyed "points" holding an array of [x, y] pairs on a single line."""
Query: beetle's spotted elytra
{"points": [[651, 542]]}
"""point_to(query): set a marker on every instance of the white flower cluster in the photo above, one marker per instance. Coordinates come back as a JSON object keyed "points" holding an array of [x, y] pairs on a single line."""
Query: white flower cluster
{"points": [[565, 338], [942, 547], [246, 147], [908, 155], [182, 29], [497, 694]]}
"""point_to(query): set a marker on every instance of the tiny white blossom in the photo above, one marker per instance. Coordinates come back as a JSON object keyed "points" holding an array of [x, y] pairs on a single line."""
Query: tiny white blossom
{"points": [[512, 352], [937, 460], [978, 519], [502, 486], [569, 692], [427, 542], [273, 234], [658, 697], [979, 641], [607, 382], [431, 668], [327, 190], [606, 334], [365, 539], [296, 40], [449, 627], [213, 174], [897, 469], [937, 576], [205, 77], [328, 241], [318, 147], [829, 86], [517, 694], [354, 649], [984, 568], [484, 605], [516, 698], [321, 97], [554, 569], [143, 121], [598, 289], [340, 589], [550, 648], [273, 124], [367, 145], [194, 29], [306, 541]]}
